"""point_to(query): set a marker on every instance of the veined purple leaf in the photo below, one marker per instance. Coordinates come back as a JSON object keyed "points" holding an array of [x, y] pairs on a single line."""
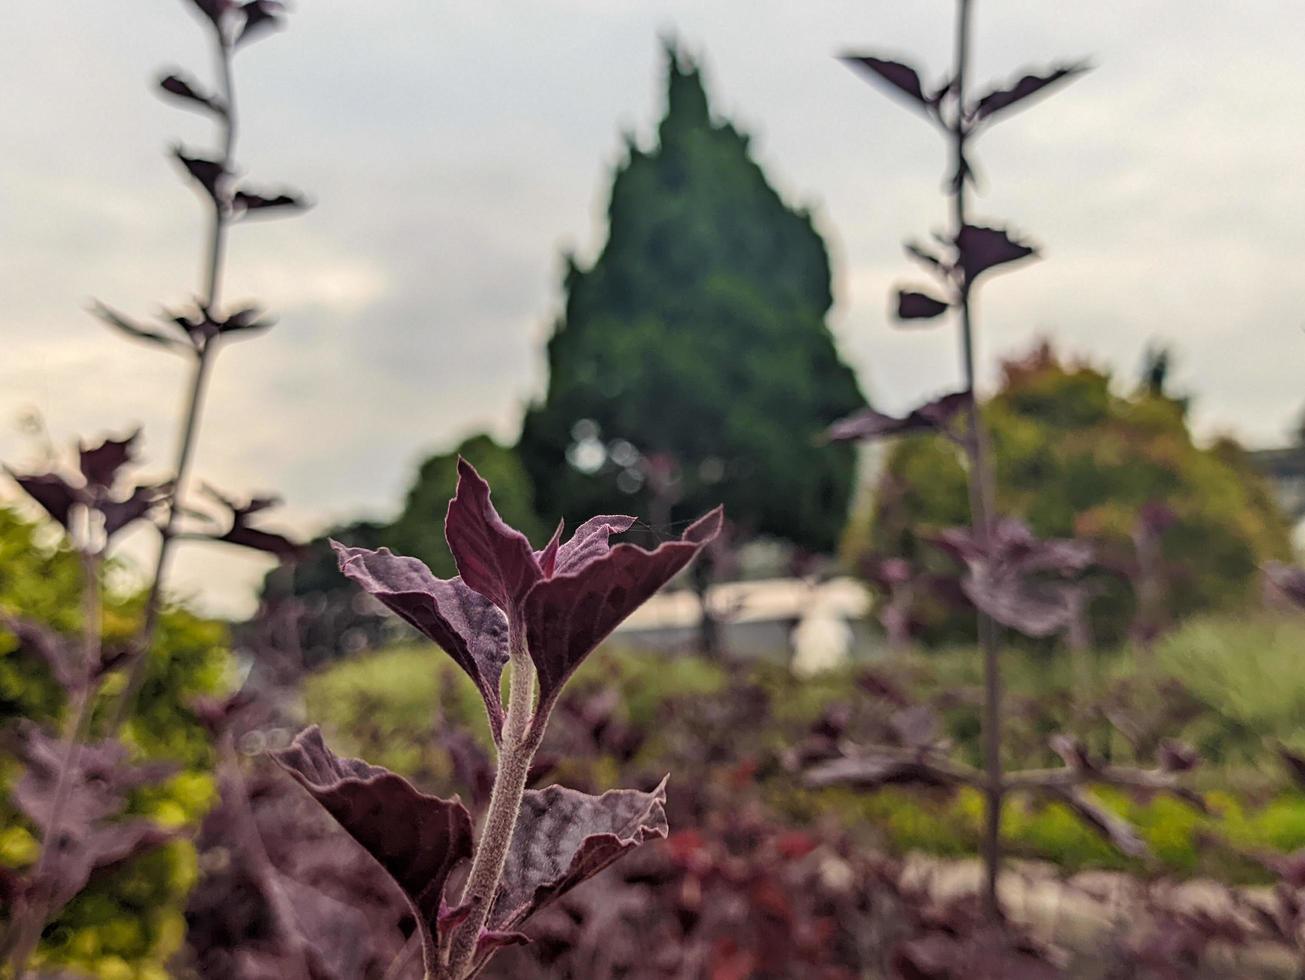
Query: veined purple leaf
{"points": [[467, 625], [903, 78], [913, 305], [418, 839], [248, 201], [590, 542], [984, 248], [180, 87], [51, 491], [869, 424], [568, 615], [260, 16], [564, 837], [494, 559], [1002, 99], [209, 174], [100, 464]]}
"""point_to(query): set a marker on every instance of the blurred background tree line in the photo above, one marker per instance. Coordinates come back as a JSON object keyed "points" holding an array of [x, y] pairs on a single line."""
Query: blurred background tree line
{"points": [[692, 365]]}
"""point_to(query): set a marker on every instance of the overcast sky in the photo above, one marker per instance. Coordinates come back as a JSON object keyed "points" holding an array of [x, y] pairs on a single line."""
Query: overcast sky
{"points": [[455, 150]]}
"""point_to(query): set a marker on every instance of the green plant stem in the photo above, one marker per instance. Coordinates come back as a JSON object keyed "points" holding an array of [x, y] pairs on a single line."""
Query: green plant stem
{"points": [[981, 501], [144, 642], [520, 741]]}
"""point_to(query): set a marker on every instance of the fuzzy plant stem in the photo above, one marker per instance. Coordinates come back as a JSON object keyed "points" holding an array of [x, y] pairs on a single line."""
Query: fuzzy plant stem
{"points": [[981, 501], [32, 918], [194, 404], [520, 741]]}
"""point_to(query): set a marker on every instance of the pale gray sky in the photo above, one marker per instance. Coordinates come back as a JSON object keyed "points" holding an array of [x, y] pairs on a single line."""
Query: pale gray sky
{"points": [[455, 149]]}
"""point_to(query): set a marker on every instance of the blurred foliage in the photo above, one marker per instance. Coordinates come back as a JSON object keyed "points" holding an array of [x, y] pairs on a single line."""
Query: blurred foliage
{"points": [[1247, 674], [128, 922], [696, 343], [378, 707], [1076, 458]]}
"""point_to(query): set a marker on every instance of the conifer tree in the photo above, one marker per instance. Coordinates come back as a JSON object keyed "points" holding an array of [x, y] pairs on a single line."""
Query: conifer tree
{"points": [[692, 362]]}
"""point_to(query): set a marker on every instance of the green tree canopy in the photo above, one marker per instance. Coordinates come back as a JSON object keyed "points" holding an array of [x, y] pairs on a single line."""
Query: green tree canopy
{"points": [[692, 365], [1074, 457]]}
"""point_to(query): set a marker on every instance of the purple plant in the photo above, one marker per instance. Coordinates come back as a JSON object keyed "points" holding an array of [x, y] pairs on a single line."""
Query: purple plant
{"points": [[541, 613], [95, 503], [966, 253]]}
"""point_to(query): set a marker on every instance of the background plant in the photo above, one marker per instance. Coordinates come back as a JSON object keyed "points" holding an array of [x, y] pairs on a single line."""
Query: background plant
{"points": [[79, 796]]}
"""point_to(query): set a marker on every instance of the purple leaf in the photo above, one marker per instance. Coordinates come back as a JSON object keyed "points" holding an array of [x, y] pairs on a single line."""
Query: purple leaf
{"points": [[213, 9], [1002, 99], [61, 654], [548, 557], [919, 306], [870, 424], [135, 330], [983, 248], [247, 201], [240, 533], [120, 512], [208, 173], [249, 319], [901, 77], [568, 615], [1287, 579], [260, 16], [1007, 579], [493, 558], [590, 541], [183, 88], [564, 837], [87, 837], [467, 625], [100, 464], [51, 491], [418, 839]]}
